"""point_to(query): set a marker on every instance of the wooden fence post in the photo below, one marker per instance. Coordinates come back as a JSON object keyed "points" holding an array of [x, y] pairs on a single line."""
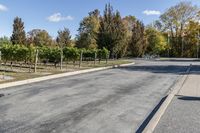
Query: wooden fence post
{"points": [[61, 58], [81, 58], [36, 60], [95, 56]]}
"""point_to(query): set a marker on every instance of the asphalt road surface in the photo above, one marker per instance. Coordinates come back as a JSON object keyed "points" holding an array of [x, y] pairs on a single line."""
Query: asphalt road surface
{"points": [[111, 101]]}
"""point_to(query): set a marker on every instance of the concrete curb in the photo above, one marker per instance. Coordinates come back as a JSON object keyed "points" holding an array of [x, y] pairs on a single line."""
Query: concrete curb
{"points": [[173, 91], [39, 79]]}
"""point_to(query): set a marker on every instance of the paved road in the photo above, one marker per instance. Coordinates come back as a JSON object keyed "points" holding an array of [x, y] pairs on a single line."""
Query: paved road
{"points": [[110, 101], [183, 114]]}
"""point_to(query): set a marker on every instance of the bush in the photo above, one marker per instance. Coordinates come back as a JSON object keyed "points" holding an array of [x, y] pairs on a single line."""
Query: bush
{"points": [[71, 54], [14, 52], [103, 53], [89, 53], [49, 54]]}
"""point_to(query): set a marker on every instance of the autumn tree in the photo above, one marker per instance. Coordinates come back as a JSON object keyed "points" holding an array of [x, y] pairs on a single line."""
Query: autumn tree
{"points": [[191, 39], [39, 37], [18, 34], [88, 31], [129, 22], [175, 20], [157, 25], [156, 41]]}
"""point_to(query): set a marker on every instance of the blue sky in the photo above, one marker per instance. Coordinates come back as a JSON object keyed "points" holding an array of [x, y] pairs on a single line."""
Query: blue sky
{"points": [[53, 15]]}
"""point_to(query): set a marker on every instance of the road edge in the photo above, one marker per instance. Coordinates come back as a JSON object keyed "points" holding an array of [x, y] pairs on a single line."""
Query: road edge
{"points": [[173, 91], [39, 79]]}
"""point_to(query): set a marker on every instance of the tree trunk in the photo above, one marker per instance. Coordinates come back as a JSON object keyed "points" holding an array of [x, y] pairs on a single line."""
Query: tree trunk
{"points": [[30, 67], [95, 56], [11, 65], [20, 64]]}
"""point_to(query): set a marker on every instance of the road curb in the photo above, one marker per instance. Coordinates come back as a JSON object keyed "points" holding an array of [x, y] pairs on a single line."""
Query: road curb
{"points": [[173, 91], [39, 79]]}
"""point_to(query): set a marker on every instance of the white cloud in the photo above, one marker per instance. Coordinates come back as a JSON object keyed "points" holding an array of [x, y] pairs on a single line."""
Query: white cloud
{"points": [[151, 12], [3, 8], [57, 17]]}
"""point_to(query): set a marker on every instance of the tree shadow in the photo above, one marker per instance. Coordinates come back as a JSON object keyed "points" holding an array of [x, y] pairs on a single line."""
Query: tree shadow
{"points": [[180, 60], [172, 69], [195, 69], [189, 98]]}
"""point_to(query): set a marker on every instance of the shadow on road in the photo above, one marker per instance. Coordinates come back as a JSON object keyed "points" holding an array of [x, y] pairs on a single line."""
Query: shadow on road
{"points": [[180, 60], [195, 69], [173, 69], [189, 98], [150, 116]]}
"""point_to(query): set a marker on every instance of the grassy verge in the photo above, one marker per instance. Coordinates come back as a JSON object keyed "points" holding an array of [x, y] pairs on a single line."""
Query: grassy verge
{"points": [[23, 73]]}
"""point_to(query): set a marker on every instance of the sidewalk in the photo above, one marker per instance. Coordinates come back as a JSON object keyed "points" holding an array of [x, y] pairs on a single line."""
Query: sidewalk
{"points": [[183, 113]]}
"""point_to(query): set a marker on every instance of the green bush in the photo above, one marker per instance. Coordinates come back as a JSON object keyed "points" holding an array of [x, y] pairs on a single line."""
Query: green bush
{"points": [[50, 54], [14, 52], [71, 54], [103, 53], [89, 53]]}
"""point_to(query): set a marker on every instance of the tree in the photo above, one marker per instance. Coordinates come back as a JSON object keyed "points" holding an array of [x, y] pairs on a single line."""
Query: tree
{"points": [[191, 39], [63, 39], [157, 25], [5, 40], [120, 35], [175, 19], [156, 42], [138, 42], [112, 32], [18, 35], [88, 30], [39, 37], [129, 22]]}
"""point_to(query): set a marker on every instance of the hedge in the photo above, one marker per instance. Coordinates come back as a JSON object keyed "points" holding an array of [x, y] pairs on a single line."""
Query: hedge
{"points": [[50, 54]]}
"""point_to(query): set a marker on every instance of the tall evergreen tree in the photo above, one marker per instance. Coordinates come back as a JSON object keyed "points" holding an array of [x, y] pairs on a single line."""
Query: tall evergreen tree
{"points": [[112, 32], [121, 36], [138, 43], [18, 35], [129, 22]]}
